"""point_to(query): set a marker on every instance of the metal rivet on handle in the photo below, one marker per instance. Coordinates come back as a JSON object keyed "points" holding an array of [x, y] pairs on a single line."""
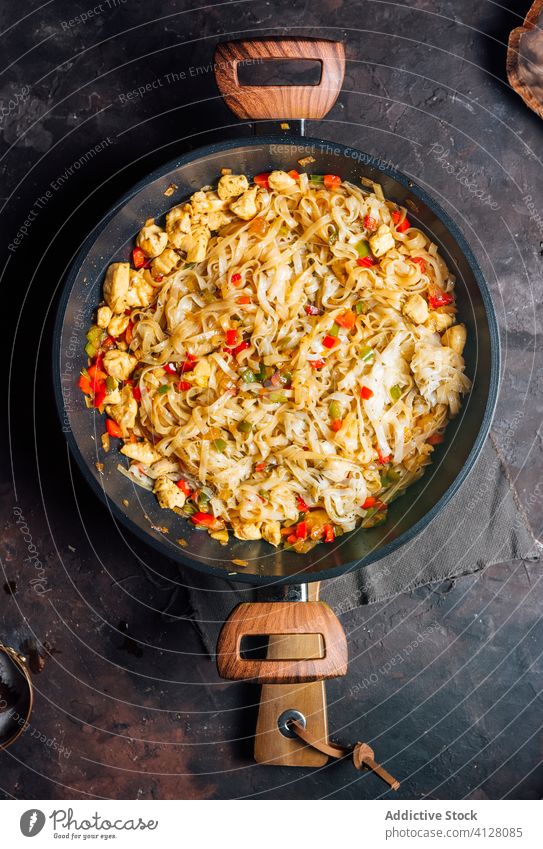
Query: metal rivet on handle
{"points": [[283, 722]]}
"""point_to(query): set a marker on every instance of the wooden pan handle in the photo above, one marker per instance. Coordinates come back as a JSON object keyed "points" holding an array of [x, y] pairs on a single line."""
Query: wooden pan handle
{"points": [[260, 102], [282, 618]]}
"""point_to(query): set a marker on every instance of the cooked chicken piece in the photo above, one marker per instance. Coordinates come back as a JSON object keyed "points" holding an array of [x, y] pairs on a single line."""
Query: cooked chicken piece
{"points": [[118, 325], [245, 206], [221, 536], [119, 364], [178, 225], [116, 285], [200, 374], [113, 397], [140, 292], [271, 532], [217, 219], [143, 452], [416, 309], [439, 321], [200, 203], [168, 494], [280, 181], [125, 411], [152, 240], [103, 317], [232, 185], [246, 530], [164, 263], [200, 239], [382, 241], [455, 338]]}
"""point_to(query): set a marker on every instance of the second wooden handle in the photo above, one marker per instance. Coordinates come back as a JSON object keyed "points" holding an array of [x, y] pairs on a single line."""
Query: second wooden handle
{"points": [[259, 102]]}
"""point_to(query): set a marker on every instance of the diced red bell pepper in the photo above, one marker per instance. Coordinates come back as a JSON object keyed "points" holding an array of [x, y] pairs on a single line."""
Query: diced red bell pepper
{"points": [[113, 429], [95, 373], [440, 299], [384, 458], [138, 258], [292, 538], [136, 393], [405, 224], [100, 395], [241, 347], [244, 299], [346, 320], [331, 181], [169, 368], [370, 223], [312, 310], [159, 278], [330, 341], [129, 333], [317, 363], [419, 260], [108, 342], [301, 505], [85, 384], [235, 279], [188, 364], [184, 385], [336, 425], [262, 180], [366, 393], [259, 226], [365, 261], [294, 175], [184, 487], [435, 439], [329, 534], [260, 467], [369, 502], [204, 519], [302, 530], [231, 338]]}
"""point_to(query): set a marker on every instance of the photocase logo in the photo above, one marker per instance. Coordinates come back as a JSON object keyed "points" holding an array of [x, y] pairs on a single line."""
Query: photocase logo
{"points": [[32, 822]]}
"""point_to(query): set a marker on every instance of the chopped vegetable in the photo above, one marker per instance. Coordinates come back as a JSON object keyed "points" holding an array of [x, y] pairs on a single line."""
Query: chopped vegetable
{"points": [[317, 363], [163, 389], [360, 307], [244, 299], [184, 487], [259, 226], [136, 393], [260, 467], [329, 533], [334, 330], [249, 376], [331, 181], [334, 410], [420, 262], [169, 368], [369, 502], [346, 319], [239, 348], [245, 427], [329, 341], [184, 385], [440, 299], [138, 258], [366, 262], [384, 458], [312, 310], [278, 397], [366, 353], [235, 279], [370, 223], [231, 338], [404, 225], [395, 392], [316, 178], [435, 439], [113, 429], [336, 425], [301, 505], [363, 248], [301, 530], [262, 180], [204, 519], [294, 175], [366, 393], [219, 445]]}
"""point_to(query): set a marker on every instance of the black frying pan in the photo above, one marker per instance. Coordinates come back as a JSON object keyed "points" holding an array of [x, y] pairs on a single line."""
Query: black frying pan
{"points": [[112, 240]]}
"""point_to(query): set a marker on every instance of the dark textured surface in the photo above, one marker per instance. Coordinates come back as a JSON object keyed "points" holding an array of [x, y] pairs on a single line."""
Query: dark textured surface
{"points": [[445, 681]]}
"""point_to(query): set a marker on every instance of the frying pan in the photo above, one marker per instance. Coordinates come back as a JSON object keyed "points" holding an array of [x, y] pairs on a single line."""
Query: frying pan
{"points": [[278, 143], [112, 240]]}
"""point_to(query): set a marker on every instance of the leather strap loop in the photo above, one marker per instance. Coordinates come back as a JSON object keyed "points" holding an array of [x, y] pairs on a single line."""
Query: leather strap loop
{"points": [[363, 755]]}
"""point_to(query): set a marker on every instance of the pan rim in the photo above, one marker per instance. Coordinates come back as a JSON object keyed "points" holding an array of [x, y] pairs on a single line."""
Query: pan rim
{"points": [[388, 548]]}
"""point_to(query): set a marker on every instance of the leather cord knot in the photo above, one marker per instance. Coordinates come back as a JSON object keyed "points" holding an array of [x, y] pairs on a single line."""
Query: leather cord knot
{"points": [[362, 754]]}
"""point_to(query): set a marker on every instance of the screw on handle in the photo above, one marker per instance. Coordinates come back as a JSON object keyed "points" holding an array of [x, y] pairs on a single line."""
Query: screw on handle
{"points": [[275, 102]]}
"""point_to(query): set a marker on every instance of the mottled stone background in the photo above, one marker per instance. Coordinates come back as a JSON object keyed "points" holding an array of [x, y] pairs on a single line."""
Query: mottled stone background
{"points": [[128, 704]]}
